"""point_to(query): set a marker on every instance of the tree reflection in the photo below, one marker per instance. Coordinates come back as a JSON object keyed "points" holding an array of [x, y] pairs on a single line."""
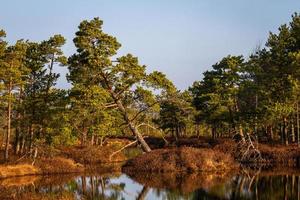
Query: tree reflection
{"points": [[97, 187], [251, 184]]}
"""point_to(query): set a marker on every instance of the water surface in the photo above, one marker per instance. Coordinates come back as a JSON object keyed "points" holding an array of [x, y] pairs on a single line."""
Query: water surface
{"points": [[254, 184]]}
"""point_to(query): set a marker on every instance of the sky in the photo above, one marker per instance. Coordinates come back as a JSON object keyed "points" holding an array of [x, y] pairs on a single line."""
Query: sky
{"points": [[181, 38]]}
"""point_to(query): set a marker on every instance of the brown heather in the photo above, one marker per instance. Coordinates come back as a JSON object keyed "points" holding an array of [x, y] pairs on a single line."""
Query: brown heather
{"points": [[184, 159]]}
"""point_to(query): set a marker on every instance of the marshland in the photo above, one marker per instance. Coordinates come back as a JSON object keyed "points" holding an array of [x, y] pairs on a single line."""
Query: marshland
{"points": [[92, 122]]}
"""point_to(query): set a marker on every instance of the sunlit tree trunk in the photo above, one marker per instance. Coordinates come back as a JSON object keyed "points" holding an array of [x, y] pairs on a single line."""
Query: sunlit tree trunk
{"points": [[83, 135], [31, 133], [285, 131], [93, 139], [240, 125], [298, 125], [131, 126], [293, 130], [18, 128], [197, 129], [8, 132], [256, 106], [101, 141], [281, 133], [17, 140], [241, 132], [22, 146], [271, 133]]}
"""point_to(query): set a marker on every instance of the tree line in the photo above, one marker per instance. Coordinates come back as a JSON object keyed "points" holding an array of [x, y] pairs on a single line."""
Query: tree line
{"points": [[258, 95], [115, 96]]}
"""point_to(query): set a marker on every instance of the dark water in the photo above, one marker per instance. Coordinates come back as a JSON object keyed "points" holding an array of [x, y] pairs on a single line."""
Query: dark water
{"points": [[242, 185]]}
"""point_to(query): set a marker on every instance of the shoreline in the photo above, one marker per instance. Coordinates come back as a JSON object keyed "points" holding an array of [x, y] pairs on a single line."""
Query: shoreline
{"points": [[81, 159]]}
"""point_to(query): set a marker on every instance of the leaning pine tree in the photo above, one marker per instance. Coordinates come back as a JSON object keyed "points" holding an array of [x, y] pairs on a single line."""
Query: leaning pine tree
{"points": [[95, 64]]}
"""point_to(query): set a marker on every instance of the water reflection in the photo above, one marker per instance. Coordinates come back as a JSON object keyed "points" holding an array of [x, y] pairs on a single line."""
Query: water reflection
{"points": [[242, 185]]}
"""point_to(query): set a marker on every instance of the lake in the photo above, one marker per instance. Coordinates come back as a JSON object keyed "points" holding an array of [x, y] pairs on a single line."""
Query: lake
{"points": [[245, 184]]}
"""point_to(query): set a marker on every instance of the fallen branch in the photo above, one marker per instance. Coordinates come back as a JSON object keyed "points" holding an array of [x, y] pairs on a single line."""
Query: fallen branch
{"points": [[22, 157], [128, 145]]}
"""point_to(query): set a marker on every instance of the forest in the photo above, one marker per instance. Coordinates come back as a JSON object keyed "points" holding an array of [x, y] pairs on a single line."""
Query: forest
{"points": [[241, 99]]}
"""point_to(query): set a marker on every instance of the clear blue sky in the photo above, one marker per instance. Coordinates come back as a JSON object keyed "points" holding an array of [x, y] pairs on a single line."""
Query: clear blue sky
{"points": [[181, 38]]}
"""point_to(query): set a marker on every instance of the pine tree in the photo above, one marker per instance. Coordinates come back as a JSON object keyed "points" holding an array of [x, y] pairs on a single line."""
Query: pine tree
{"points": [[95, 64]]}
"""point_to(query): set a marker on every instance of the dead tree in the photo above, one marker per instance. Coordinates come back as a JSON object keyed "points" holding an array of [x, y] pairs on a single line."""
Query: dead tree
{"points": [[247, 150]]}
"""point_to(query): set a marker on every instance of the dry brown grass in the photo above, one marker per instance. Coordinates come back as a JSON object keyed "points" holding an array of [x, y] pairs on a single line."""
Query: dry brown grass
{"points": [[58, 165], [272, 154], [18, 170], [280, 154], [44, 166], [227, 146], [184, 159]]}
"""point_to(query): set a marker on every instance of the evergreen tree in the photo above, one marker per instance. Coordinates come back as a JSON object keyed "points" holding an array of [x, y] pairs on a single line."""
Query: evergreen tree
{"points": [[95, 64], [12, 69]]}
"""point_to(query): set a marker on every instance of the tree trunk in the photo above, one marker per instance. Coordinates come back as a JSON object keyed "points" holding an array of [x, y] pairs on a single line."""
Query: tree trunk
{"points": [[281, 133], [96, 140], [177, 133], [22, 146], [92, 139], [241, 133], [18, 128], [293, 130], [131, 126], [285, 131], [298, 125], [31, 132], [197, 130], [256, 106], [213, 132], [233, 125], [8, 133], [101, 141], [83, 136], [17, 141], [271, 133]]}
